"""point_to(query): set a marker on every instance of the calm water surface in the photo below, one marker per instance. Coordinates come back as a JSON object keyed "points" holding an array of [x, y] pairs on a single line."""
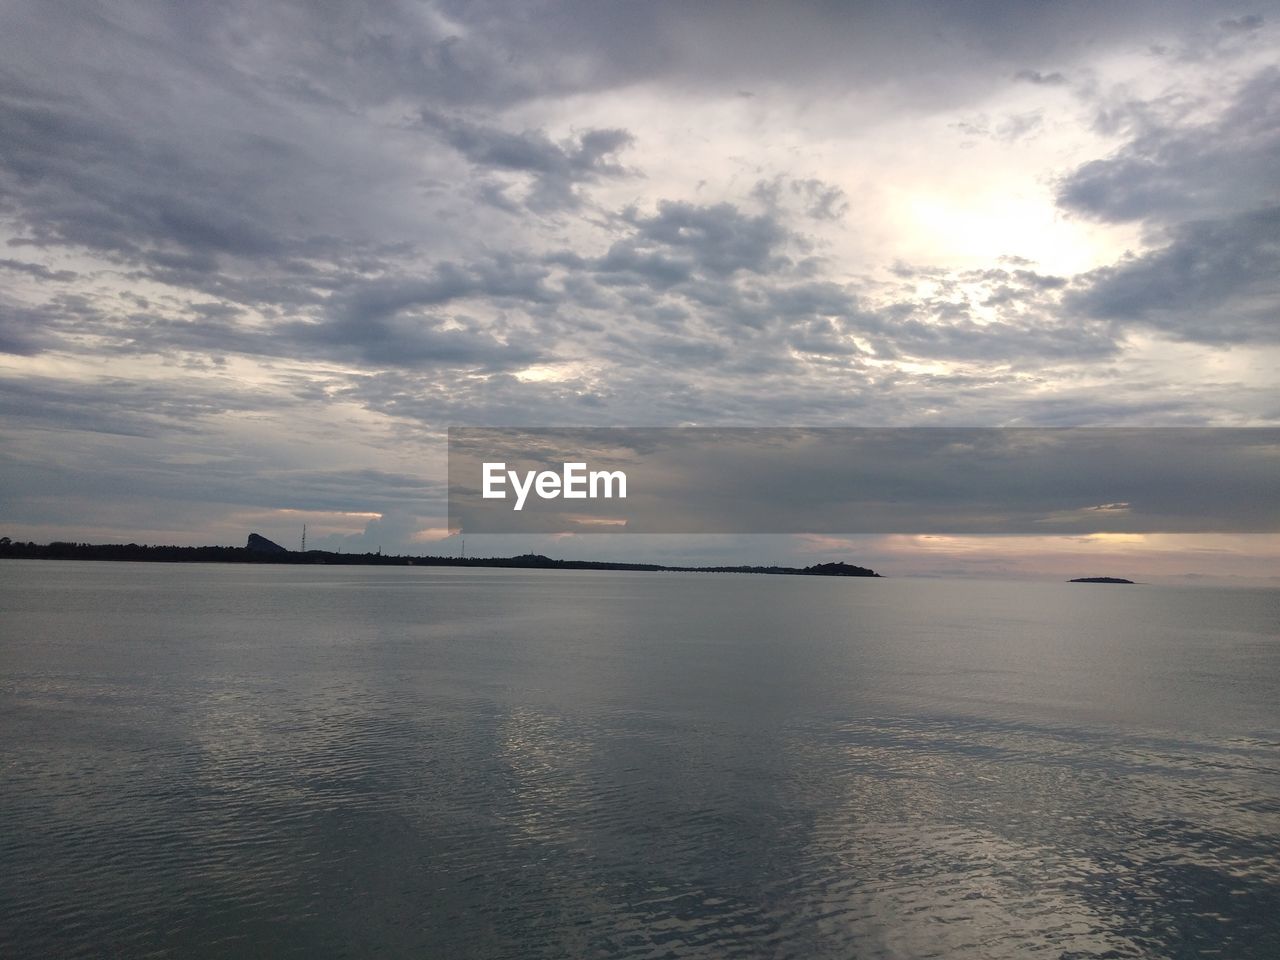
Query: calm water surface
{"points": [[349, 762]]}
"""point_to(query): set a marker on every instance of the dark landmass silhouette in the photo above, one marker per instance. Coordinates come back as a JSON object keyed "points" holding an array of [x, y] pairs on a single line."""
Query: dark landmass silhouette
{"points": [[261, 550], [1099, 580], [262, 545]]}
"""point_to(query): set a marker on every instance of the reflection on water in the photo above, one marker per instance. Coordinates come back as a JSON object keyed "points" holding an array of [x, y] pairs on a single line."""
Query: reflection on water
{"points": [[219, 761]]}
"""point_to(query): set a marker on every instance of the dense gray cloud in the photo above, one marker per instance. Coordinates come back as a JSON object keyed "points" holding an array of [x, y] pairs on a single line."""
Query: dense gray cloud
{"points": [[1218, 281], [120, 406], [38, 270], [928, 52], [1210, 193], [684, 240], [1171, 170], [555, 167], [415, 342], [22, 330]]}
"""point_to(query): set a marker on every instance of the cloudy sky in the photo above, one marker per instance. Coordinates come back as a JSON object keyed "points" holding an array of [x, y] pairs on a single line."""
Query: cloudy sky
{"points": [[255, 258]]}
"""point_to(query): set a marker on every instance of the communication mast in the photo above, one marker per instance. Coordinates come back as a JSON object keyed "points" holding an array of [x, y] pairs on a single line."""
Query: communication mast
{"points": [[304, 538]]}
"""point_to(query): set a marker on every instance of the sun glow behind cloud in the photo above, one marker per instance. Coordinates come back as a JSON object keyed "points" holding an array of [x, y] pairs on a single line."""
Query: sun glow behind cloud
{"points": [[969, 230]]}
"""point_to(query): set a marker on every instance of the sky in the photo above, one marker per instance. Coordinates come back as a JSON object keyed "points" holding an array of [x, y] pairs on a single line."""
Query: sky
{"points": [[256, 258]]}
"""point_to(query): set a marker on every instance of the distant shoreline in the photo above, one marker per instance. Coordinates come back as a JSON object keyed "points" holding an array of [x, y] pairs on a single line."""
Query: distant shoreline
{"points": [[530, 561]]}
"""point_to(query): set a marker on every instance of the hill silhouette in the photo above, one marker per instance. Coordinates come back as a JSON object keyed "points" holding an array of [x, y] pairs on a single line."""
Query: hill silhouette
{"points": [[262, 545]]}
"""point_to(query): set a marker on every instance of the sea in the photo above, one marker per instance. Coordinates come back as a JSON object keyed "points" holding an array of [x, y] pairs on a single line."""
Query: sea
{"points": [[336, 761]]}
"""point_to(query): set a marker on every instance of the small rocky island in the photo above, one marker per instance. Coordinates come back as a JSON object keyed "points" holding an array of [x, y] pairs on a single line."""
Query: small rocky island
{"points": [[837, 569], [1099, 580]]}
